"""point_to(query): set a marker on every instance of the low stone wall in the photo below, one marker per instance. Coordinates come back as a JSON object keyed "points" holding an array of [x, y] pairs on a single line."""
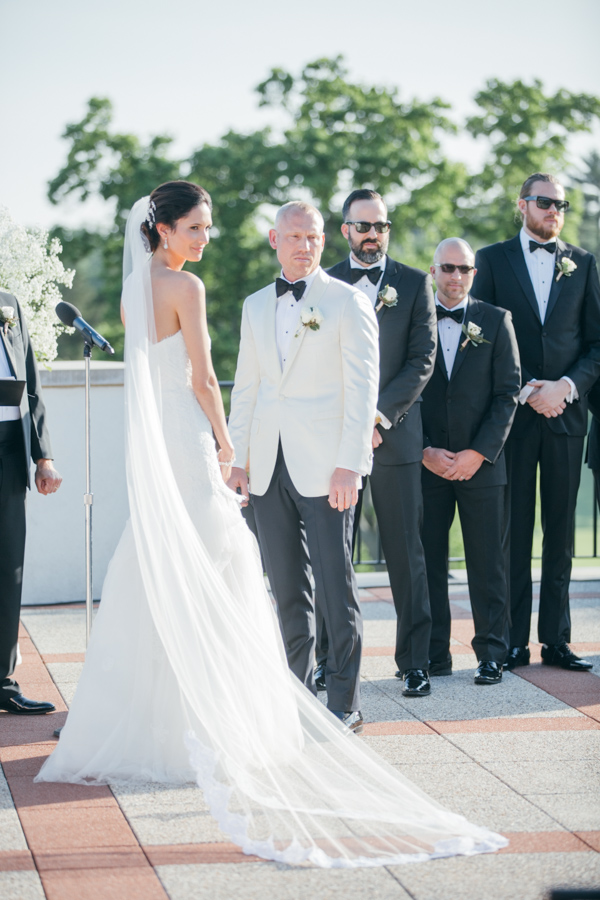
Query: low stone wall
{"points": [[55, 551]]}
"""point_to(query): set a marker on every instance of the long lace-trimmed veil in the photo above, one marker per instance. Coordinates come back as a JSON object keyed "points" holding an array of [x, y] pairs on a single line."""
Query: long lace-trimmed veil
{"points": [[284, 779]]}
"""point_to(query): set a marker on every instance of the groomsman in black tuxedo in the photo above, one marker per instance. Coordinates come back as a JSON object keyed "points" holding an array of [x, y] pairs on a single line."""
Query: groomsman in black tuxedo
{"points": [[23, 436], [553, 293], [403, 301], [468, 407]]}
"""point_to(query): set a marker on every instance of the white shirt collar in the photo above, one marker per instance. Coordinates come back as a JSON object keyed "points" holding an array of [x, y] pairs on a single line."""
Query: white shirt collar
{"points": [[462, 305], [307, 278]]}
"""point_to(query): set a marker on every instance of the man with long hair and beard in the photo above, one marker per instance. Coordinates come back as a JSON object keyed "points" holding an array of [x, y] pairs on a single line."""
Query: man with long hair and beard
{"points": [[552, 290]]}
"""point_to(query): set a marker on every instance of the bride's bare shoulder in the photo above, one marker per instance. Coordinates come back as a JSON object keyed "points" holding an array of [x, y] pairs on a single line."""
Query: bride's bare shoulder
{"points": [[178, 286]]}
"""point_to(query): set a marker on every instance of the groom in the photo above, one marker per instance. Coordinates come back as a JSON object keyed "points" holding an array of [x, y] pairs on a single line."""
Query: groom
{"points": [[302, 411]]}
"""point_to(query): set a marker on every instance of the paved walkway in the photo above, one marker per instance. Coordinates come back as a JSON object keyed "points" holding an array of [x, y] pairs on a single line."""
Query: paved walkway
{"points": [[522, 758]]}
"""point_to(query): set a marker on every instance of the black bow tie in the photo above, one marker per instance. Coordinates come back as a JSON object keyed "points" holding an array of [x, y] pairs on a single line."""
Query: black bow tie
{"points": [[372, 274], [551, 247], [297, 288], [456, 314]]}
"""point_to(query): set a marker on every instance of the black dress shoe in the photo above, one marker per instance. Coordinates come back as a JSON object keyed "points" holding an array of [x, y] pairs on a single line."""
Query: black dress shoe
{"points": [[416, 683], [440, 668], [319, 674], [562, 655], [21, 706], [517, 656], [353, 720], [488, 672]]}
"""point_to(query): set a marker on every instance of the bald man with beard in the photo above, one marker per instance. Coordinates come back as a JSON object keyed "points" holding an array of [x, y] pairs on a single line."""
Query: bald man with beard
{"points": [[468, 408]]}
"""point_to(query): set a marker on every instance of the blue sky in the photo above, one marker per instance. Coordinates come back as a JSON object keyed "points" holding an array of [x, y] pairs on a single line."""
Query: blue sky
{"points": [[188, 68]]}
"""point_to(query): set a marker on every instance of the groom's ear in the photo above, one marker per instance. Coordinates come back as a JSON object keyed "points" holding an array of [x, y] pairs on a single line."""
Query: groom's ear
{"points": [[273, 238]]}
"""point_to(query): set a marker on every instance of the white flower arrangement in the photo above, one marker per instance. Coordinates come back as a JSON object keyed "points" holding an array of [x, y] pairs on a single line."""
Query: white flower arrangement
{"points": [[565, 266], [387, 297], [31, 269], [310, 317], [474, 335]]}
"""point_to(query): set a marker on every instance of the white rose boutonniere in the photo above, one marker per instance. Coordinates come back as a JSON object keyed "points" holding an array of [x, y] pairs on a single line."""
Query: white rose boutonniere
{"points": [[7, 317], [387, 297], [310, 317], [565, 266], [474, 335]]}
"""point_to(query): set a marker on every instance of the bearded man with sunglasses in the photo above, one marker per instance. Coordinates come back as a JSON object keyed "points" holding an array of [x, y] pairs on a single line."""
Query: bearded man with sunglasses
{"points": [[552, 290], [404, 305]]}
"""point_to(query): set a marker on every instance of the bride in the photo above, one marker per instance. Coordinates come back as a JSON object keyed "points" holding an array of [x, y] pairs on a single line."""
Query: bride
{"points": [[185, 677]]}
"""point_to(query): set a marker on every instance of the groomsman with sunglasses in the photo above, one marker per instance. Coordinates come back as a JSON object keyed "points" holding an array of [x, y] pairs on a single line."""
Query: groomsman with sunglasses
{"points": [[468, 407], [403, 302], [552, 290]]}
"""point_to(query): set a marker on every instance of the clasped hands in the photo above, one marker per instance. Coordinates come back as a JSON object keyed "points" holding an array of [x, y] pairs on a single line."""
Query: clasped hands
{"points": [[459, 466], [548, 397]]}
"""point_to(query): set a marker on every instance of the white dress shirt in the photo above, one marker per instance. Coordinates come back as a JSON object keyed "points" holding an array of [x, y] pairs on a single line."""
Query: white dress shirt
{"points": [[287, 317], [365, 284], [541, 266], [367, 287], [450, 333], [7, 413]]}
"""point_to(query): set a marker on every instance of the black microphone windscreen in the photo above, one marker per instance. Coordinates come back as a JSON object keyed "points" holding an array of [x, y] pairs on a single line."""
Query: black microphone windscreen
{"points": [[67, 313]]}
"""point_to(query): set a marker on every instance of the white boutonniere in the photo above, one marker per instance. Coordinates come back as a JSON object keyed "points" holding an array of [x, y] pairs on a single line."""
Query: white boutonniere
{"points": [[387, 297], [7, 317], [565, 266], [310, 317], [474, 335]]}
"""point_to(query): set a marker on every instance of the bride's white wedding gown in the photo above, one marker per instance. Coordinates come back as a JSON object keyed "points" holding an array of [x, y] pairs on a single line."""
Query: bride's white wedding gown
{"points": [[185, 677]]}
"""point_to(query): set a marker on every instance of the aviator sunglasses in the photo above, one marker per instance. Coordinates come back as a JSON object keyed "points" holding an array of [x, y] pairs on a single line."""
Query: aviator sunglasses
{"points": [[449, 268], [365, 227], [546, 203]]}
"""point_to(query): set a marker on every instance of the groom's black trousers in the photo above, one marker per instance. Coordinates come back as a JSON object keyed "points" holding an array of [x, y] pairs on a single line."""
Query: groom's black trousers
{"points": [[298, 534], [13, 488]]}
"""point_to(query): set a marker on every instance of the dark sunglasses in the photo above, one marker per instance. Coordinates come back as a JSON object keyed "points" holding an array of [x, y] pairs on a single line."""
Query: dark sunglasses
{"points": [[546, 203], [365, 227], [448, 268]]}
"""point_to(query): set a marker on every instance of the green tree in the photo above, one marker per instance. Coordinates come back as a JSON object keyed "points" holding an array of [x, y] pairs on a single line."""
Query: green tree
{"points": [[527, 131]]}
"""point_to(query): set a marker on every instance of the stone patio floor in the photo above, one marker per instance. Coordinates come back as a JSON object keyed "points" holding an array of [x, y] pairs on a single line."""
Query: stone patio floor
{"points": [[521, 757]]}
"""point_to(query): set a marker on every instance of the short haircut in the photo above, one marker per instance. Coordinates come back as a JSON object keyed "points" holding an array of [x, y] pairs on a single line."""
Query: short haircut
{"points": [[451, 240], [537, 176], [360, 194], [301, 206]]}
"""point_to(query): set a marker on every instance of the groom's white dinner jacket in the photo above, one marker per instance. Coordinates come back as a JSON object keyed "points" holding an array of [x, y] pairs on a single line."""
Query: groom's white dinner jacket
{"points": [[322, 404]]}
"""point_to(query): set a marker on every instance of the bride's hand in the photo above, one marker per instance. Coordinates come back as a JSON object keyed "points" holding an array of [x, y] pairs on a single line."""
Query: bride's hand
{"points": [[226, 459]]}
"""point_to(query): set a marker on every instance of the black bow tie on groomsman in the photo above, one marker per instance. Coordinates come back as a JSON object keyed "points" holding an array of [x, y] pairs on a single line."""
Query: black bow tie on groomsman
{"points": [[372, 274], [551, 247], [297, 288], [456, 314]]}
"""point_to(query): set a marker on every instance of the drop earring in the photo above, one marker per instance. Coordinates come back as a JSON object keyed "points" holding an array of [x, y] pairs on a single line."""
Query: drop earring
{"points": [[165, 245]]}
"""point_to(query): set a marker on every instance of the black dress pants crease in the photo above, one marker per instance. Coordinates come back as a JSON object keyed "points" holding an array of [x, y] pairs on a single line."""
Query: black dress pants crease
{"points": [[298, 534], [482, 518], [559, 459], [12, 547]]}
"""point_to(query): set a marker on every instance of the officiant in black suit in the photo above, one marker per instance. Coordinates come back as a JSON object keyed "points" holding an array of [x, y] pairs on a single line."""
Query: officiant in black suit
{"points": [[403, 301], [553, 293], [468, 407], [23, 436]]}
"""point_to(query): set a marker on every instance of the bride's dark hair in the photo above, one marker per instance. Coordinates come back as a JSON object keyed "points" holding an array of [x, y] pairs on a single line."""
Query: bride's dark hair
{"points": [[168, 203]]}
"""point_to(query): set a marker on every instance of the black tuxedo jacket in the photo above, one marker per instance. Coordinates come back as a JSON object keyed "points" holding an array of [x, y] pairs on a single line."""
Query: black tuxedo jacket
{"points": [[593, 447], [407, 342], [475, 407], [568, 343], [21, 360]]}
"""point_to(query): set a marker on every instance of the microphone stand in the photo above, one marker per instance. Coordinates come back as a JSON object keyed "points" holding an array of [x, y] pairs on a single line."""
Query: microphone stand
{"points": [[88, 499]]}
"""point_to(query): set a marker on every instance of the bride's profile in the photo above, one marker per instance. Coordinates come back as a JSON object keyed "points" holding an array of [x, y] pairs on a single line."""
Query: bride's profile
{"points": [[185, 677]]}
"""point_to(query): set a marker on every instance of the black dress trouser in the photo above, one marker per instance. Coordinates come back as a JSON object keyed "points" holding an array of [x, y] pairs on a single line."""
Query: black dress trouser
{"points": [[13, 488]]}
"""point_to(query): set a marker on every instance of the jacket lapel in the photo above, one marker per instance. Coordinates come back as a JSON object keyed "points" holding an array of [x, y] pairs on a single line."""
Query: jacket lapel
{"points": [[473, 313], [557, 286], [392, 275], [10, 353], [514, 253], [312, 298]]}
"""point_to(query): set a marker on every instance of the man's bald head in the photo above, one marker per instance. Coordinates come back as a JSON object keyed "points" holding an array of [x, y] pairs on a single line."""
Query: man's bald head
{"points": [[294, 207], [453, 243]]}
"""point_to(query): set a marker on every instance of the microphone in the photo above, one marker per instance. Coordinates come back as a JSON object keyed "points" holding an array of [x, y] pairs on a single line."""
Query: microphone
{"points": [[70, 315]]}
